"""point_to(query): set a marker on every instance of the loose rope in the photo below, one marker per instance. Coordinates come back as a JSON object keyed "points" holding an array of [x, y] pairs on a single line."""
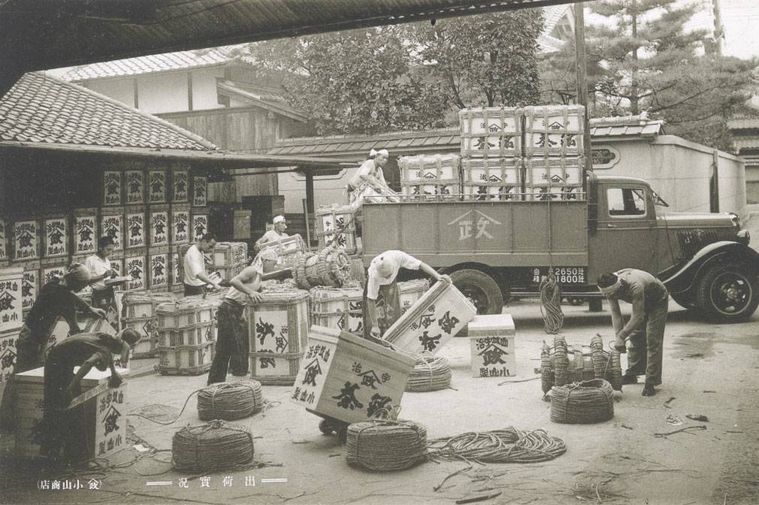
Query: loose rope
{"points": [[508, 445], [584, 402], [212, 446], [230, 401], [384, 445], [550, 308], [431, 373]]}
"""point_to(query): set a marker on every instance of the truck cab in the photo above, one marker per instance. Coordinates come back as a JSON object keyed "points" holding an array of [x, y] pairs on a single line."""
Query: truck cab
{"points": [[494, 249]]}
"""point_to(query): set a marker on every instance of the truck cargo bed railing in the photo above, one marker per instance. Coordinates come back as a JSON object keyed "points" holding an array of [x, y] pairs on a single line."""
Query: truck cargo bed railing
{"points": [[512, 197]]}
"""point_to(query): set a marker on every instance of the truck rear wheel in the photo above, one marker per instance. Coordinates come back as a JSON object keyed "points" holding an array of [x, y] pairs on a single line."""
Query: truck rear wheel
{"points": [[480, 289], [728, 293]]}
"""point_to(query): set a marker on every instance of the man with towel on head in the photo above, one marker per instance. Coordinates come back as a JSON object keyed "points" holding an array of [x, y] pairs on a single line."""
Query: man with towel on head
{"points": [[274, 235], [382, 303], [232, 340], [369, 180], [645, 329]]}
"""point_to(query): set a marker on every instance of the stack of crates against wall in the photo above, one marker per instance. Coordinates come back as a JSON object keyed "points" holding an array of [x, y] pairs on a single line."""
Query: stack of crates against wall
{"points": [[26, 241], [11, 319], [5, 253], [159, 269], [430, 176], [436, 317], [491, 339], [139, 314], [491, 132], [338, 308], [180, 186], [113, 184], [186, 334], [136, 267], [349, 378], [199, 191], [102, 419], [337, 224], [180, 224], [554, 159], [199, 223], [278, 335], [289, 250], [157, 187], [158, 223], [84, 231], [229, 259], [134, 186], [491, 178]]}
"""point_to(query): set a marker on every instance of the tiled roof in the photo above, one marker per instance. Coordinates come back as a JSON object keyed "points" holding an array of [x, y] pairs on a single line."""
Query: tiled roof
{"points": [[181, 60], [743, 124], [552, 15], [741, 144], [440, 140], [42, 109], [266, 98]]}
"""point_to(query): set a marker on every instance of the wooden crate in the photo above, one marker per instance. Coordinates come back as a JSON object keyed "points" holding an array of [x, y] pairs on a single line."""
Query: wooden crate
{"points": [[158, 223], [11, 299], [195, 335], [278, 329], [410, 292], [8, 357], [491, 178], [30, 285], [188, 360], [112, 225], [180, 185], [180, 224], [491, 132], [105, 430], [430, 175], [227, 254], [55, 236], [288, 250], [199, 223], [199, 191], [157, 187], [554, 130], [26, 239], [136, 228], [113, 182], [338, 308], [85, 232], [349, 378], [185, 312], [554, 171], [5, 232], [135, 187], [52, 268], [491, 340], [135, 266], [338, 224], [158, 269], [434, 319]]}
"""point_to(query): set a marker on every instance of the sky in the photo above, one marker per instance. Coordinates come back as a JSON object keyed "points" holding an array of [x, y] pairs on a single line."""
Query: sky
{"points": [[741, 21]]}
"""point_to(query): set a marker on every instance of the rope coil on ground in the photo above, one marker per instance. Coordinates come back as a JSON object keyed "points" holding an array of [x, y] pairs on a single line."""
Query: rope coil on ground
{"points": [[508, 445], [430, 373], [211, 446], [385, 445], [230, 401], [584, 402]]}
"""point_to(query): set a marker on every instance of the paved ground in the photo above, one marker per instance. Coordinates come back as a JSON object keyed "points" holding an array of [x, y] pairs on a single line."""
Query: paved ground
{"points": [[709, 370]]}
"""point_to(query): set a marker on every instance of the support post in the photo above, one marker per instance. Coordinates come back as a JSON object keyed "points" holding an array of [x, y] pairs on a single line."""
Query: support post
{"points": [[582, 83]]}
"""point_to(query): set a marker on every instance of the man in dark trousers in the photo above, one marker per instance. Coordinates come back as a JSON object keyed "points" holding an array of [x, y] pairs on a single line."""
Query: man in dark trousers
{"points": [[645, 329], [232, 343], [61, 429]]}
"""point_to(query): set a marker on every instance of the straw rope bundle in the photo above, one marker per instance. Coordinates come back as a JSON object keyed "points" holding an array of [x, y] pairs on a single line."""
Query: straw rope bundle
{"points": [[583, 402], [508, 445], [211, 446], [431, 373], [230, 401], [385, 445]]}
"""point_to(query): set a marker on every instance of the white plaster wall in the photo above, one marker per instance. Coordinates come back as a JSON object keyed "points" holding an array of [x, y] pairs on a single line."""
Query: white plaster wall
{"points": [[165, 92], [121, 89]]}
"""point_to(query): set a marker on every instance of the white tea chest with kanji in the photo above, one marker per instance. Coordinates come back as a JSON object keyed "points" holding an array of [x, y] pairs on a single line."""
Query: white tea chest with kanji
{"points": [[492, 342]]}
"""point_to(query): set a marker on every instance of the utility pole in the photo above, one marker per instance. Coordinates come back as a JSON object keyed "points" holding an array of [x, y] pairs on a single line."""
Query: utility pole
{"points": [[582, 80]]}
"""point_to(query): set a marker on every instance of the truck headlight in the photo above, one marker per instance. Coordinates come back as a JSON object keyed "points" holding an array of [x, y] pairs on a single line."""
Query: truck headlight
{"points": [[744, 237], [735, 219]]}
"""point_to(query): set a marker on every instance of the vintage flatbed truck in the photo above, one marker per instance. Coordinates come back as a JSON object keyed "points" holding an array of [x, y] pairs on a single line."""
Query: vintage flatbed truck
{"points": [[496, 249]]}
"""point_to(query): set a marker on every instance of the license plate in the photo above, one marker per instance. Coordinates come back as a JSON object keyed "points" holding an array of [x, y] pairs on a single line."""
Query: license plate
{"points": [[564, 275]]}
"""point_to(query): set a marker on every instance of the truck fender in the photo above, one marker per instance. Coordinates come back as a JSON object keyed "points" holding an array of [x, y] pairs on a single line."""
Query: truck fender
{"points": [[684, 278]]}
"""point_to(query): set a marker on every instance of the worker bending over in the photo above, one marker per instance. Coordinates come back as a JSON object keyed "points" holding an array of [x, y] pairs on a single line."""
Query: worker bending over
{"points": [[645, 329], [232, 341], [382, 304], [61, 429]]}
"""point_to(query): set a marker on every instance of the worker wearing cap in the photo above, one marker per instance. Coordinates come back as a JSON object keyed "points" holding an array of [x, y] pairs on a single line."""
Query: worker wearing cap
{"points": [[645, 328], [274, 235], [381, 291], [195, 276], [232, 340], [56, 299], [62, 429]]}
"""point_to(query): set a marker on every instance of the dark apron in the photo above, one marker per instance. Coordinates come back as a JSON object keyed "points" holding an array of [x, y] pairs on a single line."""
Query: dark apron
{"points": [[388, 308]]}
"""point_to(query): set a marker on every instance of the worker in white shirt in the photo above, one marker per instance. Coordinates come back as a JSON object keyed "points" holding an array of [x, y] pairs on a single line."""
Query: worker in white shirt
{"points": [[382, 304], [195, 276], [100, 269], [278, 233]]}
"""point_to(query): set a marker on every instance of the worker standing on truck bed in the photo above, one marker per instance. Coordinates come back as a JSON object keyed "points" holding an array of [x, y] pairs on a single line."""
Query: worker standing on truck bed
{"points": [[645, 329], [370, 179], [382, 303]]}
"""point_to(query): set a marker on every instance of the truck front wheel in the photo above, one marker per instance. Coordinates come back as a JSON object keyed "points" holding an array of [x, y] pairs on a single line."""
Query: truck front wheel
{"points": [[481, 290], [728, 293]]}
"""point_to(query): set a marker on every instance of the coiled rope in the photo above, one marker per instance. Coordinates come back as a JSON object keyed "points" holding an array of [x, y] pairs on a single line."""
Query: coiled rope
{"points": [[212, 446], [584, 402], [430, 373], [508, 445], [550, 304], [384, 445], [230, 401]]}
